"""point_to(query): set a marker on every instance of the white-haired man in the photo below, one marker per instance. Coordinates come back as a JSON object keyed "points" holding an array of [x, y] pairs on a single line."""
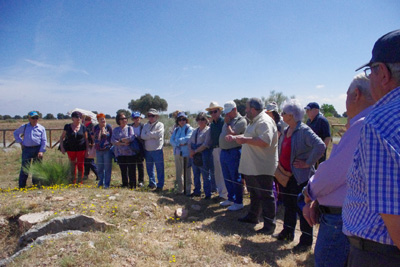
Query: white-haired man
{"points": [[371, 210], [327, 189]]}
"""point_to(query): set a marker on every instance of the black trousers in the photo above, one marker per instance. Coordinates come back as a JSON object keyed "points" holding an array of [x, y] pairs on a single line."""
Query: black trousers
{"points": [[291, 192], [262, 199], [127, 171], [90, 165]]}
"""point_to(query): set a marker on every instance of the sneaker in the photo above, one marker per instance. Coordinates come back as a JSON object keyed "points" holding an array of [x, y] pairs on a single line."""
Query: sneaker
{"points": [[300, 248], [141, 185], [151, 186], [235, 207], [218, 199], [266, 230], [158, 189], [207, 198], [226, 203]]}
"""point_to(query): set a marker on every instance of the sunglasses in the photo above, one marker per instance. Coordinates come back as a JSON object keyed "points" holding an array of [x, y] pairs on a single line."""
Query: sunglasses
{"points": [[121, 119], [182, 119], [151, 116], [35, 118], [202, 119], [214, 111]]}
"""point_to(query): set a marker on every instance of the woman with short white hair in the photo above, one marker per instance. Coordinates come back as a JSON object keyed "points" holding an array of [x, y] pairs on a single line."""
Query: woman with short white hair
{"points": [[300, 150]]}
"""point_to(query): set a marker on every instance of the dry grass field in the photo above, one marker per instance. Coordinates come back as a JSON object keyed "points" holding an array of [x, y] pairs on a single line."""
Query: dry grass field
{"points": [[146, 233]]}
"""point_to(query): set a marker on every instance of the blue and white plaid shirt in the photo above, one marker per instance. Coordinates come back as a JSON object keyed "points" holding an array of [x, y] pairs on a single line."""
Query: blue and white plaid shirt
{"points": [[374, 177]]}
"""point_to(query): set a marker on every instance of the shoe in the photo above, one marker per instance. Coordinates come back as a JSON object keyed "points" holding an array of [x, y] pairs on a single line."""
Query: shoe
{"points": [[195, 195], [245, 191], [226, 203], [158, 190], [141, 185], [300, 248], [218, 199], [285, 236], [235, 207], [248, 219], [207, 198], [151, 186], [266, 230]]}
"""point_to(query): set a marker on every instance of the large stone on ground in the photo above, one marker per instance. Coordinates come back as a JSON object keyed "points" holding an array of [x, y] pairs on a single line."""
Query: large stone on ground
{"points": [[26, 221], [76, 222]]}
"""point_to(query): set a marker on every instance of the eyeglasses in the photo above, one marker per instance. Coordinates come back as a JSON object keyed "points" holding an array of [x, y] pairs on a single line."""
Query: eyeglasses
{"points": [[368, 70], [283, 113], [202, 119], [151, 116], [35, 118], [214, 111]]}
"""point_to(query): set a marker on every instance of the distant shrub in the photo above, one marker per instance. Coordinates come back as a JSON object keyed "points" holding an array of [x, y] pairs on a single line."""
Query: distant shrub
{"points": [[51, 172]]}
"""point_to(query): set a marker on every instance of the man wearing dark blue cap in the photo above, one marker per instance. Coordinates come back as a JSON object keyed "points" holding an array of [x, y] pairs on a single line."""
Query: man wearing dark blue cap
{"points": [[371, 210], [33, 145], [319, 124]]}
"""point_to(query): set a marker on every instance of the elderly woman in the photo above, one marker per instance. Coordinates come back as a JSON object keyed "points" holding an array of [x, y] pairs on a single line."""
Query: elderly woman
{"points": [[199, 144], [179, 141], [122, 136], [76, 145], [102, 134], [300, 150]]}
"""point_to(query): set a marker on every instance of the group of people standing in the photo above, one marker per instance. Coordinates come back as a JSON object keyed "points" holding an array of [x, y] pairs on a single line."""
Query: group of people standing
{"points": [[353, 195]]}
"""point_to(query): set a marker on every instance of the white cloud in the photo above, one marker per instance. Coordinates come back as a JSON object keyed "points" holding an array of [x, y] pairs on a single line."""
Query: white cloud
{"points": [[320, 86], [63, 68]]}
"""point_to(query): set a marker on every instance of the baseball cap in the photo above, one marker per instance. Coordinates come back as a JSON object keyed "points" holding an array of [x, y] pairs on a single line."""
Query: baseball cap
{"points": [[152, 111], [272, 106], [136, 114], [386, 49], [312, 105], [33, 113], [228, 106]]}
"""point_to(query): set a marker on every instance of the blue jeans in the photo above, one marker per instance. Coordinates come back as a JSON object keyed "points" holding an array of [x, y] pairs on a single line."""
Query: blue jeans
{"points": [[28, 154], [155, 158], [197, 170], [332, 247], [230, 159], [104, 167]]}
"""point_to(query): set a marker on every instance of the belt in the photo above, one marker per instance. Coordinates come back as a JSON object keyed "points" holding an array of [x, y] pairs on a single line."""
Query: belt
{"points": [[372, 246], [238, 147], [330, 210]]}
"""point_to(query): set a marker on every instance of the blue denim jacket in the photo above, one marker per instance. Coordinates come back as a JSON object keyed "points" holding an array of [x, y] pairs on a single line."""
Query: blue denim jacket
{"points": [[307, 146], [180, 139]]}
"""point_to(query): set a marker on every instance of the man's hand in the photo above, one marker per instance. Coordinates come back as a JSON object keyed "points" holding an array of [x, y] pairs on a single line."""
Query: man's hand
{"points": [[230, 138], [240, 139], [300, 164], [40, 155], [311, 213]]}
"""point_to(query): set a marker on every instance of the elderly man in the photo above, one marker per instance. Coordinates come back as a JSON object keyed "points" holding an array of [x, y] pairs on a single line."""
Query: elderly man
{"points": [[258, 164], [33, 145], [319, 124], [153, 136], [328, 186], [234, 124], [371, 210], [215, 130]]}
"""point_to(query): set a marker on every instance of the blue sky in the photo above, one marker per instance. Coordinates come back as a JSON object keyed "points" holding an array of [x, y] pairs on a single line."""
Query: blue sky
{"points": [[98, 55]]}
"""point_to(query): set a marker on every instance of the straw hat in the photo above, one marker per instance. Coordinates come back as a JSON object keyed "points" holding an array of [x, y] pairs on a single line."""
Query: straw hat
{"points": [[214, 105]]}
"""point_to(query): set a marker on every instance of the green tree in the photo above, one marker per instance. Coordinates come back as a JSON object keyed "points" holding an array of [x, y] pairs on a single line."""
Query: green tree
{"points": [[17, 117], [345, 114], [108, 116], [147, 101], [49, 116], [125, 111], [277, 97], [329, 110], [7, 117], [241, 105], [60, 116]]}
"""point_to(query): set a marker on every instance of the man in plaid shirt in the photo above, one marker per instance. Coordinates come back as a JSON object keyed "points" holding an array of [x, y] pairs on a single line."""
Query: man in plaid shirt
{"points": [[371, 210]]}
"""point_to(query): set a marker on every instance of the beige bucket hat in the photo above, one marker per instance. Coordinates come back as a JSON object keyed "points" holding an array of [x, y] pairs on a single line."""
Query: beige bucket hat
{"points": [[214, 105]]}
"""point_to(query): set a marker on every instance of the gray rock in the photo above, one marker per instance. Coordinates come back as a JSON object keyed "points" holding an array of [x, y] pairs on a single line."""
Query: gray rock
{"points": [[76, 222], [26, 221]]}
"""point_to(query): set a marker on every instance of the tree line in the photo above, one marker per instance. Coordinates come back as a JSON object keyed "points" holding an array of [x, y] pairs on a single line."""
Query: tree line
{"points": [[147, 101]]}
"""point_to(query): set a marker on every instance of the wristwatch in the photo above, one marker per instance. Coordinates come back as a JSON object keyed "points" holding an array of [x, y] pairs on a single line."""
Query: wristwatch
{"points": [[307, 198]]}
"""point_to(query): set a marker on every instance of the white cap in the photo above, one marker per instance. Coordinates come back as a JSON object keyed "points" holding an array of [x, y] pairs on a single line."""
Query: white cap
{"points": [[228, 106]]}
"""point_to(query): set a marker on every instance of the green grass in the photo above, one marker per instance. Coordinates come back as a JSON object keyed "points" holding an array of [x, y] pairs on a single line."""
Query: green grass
{"points": [[51, 172]]}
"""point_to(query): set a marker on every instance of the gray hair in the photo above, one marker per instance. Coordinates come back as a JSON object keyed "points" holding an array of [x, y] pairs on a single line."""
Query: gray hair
{"points": [[256, 103], [395, 71], [293, 107], [361, 82]]}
